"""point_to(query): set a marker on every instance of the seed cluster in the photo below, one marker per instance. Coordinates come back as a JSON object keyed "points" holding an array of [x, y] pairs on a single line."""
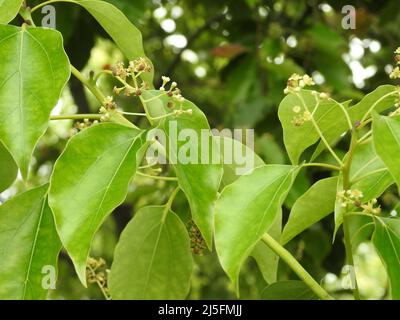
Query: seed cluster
{"points": [[197, 243]]}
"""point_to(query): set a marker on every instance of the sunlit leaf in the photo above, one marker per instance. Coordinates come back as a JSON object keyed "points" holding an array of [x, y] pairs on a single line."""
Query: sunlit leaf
{"points": [[127, 37], [378, 100], [152, 259], [8, 10], [90, 180], [246, 210], [386, 239], [288, 290], [266, 259], [386, 136], [315, 204], [196, 158], [329, 117], [31, 84], [8, 168], [29, 245]]}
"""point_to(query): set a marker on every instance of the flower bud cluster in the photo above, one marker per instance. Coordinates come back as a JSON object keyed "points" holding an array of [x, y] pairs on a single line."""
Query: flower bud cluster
{"points": [[350, 197], [108, 108], [395, 74], [301, 116], [97, 273], [297, 82], [371, 207]]}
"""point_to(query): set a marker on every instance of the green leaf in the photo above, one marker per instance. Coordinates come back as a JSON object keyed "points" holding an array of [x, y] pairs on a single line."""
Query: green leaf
{"points": [[28, 242], [246, 210], [386, 239], [300, 185], [134, 10], [199, 178], [386, 137], [8, 10], [265, 258], [365, 162], [329, 117], [315, 204], [8, 168], [152, 259], [30, 86], [89, 181], [360, 229], [127, 37], [378, 100], [288, 290]]}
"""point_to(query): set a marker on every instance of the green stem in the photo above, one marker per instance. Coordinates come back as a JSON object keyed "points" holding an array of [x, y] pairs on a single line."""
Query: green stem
{"points": [[157, 177], [138, 114], [50, 2], [346, 227], [99, 284], [169, 202], [143, 101], [76, 117], [323, 165], [365, 136], [88, 84], [102, 72], [287, 257], [26, 13]]}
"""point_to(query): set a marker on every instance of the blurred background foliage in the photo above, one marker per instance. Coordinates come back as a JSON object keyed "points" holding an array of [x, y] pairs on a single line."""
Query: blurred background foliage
{"points": [[231, 58]]}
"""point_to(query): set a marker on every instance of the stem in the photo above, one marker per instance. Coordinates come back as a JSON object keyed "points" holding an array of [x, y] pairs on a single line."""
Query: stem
{"points": [[99, 284], [146, 110], [154, 98], [169, 202], [88, 84], [296, 267], [76, 117], [365, 136], [319, 131], [157, 177], [323, 165], [349, 254], [102, 72], [50, 2], [143, 101], [346, 227], [26, 13], [133, 113]]}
